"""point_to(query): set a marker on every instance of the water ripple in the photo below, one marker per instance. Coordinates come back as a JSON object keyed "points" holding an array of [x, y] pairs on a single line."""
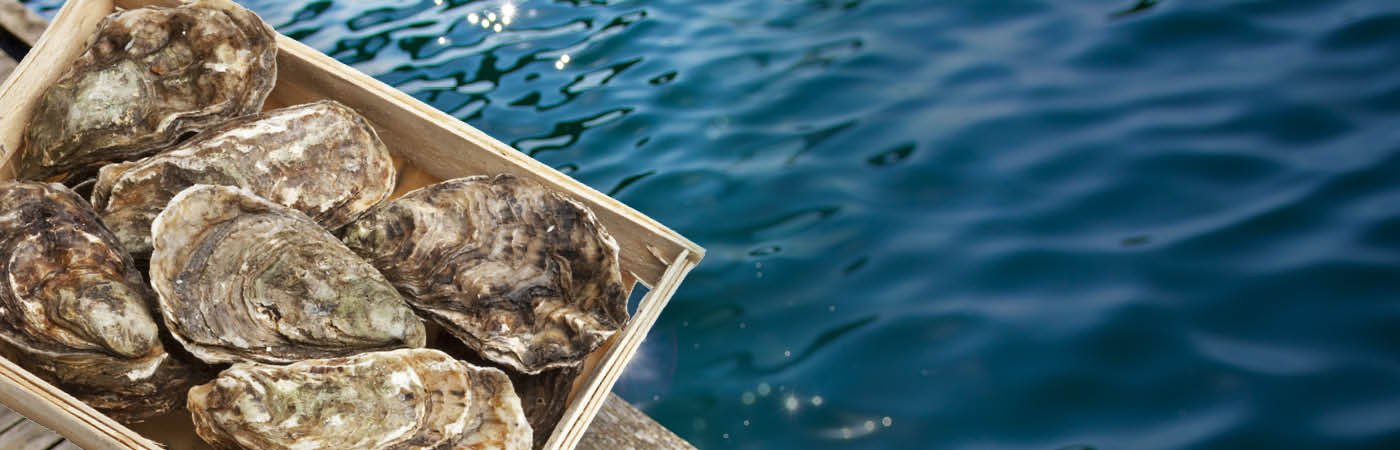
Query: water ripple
{"points": [[964, 224]]}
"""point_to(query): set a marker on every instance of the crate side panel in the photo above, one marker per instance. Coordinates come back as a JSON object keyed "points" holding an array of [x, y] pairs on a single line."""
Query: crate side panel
{"points": [[65, 40], [585, 402], [447, 148]]}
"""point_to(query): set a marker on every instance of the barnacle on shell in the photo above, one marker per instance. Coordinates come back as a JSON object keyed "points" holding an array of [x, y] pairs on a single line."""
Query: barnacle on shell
{"points": [[148, 77], [322, 159], [240, 278], [401, 400], [523, 275], [75, 311]]}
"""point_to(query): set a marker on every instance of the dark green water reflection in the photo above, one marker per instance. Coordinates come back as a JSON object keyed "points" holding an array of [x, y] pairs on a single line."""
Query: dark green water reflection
{"points": [[1017, 224]]}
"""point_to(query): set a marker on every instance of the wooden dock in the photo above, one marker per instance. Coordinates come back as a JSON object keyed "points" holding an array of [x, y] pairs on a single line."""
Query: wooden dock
{"points": [[618, 425]]}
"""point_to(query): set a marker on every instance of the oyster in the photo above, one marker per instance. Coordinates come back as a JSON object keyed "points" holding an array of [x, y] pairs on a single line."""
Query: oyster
{"points": [[544, 395], [148, 77], [322, 159], [75, 311], [401, 399], [240, 278], [524, 276]]}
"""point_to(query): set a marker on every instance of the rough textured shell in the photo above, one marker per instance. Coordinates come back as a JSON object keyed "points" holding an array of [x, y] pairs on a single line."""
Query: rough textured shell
{"points": [[399, 400], [240, 278], [322, 159], [148, 77], [525, 276], [544, 395], [74, 309]]}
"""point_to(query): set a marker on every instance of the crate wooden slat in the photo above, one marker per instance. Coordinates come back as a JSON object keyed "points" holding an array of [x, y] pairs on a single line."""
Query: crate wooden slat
{"points": [[432, 146], [617, 426]]}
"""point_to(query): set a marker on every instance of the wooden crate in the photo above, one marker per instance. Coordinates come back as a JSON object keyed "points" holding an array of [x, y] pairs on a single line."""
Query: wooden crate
{"points": [[429, 145]]}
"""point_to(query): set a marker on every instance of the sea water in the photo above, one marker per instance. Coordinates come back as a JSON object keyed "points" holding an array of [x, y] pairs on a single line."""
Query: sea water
{"points": [[980, 224]]}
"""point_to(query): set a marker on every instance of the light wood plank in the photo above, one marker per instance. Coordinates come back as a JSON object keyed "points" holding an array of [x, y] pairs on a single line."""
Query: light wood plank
{"points": [[67, 445], [21, 22], [446, 147], [7, 65], [619, 426], [8, 417], [24, 392], [598, 383], [28, 436]]}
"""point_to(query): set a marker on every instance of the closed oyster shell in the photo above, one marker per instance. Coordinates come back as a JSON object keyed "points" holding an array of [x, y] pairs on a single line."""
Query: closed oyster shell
{"points": [[544, 395], [524, 276], [322, 159], [240, 278], [401, 400], [148, 77], [74, 309]]}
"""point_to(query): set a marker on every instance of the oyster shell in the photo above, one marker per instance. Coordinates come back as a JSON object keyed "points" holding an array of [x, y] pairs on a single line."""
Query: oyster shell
{"points": [[240, 278], [544, 395], [524, 276], [75, 311], [321, 158], [148, 77], [401, 400]]}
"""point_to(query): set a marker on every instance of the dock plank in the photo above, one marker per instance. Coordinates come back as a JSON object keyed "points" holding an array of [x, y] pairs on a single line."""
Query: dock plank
{"points": [[67, 445], [21, 22], [620, 426], [7, 65], [9, 418], [29, 436]]}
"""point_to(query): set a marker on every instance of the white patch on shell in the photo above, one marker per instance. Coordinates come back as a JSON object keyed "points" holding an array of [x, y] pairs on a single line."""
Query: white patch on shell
{"points": [[104, 96], [254, 411], [291, 195], [251, 131], [403, 379], [145, 371], [308, 444], [285, 385]]}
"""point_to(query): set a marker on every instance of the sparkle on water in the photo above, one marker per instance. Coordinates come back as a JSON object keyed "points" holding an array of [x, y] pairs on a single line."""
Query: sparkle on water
{"points": [[1007, 224]]}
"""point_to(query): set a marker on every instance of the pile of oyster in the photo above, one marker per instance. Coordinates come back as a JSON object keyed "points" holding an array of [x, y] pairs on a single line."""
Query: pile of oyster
{"points": [[251, 267]]}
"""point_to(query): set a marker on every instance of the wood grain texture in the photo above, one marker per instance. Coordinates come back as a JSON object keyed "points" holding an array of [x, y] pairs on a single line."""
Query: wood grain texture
{"points": [[9, 418], [619, 426], [22, 89], [417, 134], [7, 65], [28, 436], [599, 381], [448, 148], [67, 445], [21, 22]]}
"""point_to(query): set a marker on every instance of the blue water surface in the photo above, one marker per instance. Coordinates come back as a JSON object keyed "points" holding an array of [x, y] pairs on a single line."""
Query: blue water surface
{"points": [[1009, 224]]}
